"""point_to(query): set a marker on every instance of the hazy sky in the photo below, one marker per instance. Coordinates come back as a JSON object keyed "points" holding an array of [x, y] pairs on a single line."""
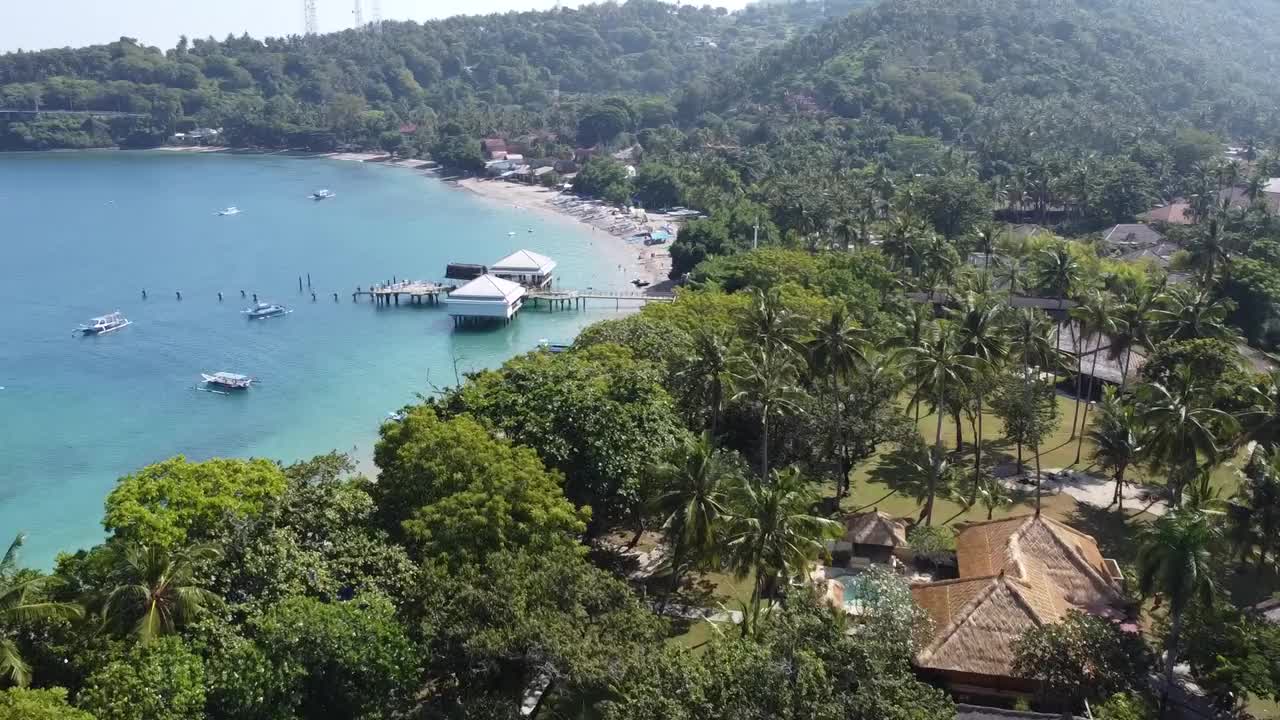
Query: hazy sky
{"points": [[36, 24]]}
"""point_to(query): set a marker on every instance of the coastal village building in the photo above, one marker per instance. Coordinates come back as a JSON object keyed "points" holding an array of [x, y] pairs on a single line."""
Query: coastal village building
{"points": [[487, 298], [525, 267], [1015, 574]]}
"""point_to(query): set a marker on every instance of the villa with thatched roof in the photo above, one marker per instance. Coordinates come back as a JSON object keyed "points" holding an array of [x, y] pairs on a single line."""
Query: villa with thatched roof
{"points": [[1015, 574], [872, 536]]}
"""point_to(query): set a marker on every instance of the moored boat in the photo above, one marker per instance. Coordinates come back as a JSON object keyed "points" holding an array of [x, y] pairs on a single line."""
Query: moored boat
{"points": [[104, 324], [262, 310], [228, 381]]}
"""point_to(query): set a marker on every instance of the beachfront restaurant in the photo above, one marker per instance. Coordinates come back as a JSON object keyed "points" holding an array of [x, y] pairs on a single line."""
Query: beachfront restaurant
{"points": [[487, 299], [525, 267]]}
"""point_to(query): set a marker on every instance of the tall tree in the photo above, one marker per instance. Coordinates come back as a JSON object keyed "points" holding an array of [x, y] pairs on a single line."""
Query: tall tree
{"points": [[1189, 313], [1117, 436], [1174, 561], [1185, 428], [1097, 318], [936, 368], [983, 340], [154, 591], [691, 500], [773, 532], [766, 378]]}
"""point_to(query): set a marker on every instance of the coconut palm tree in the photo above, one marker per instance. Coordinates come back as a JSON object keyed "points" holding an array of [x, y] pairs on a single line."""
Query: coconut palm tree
{"points": [[1190, 313], [769, 324], [1098, 317], [993, 494], [1174, 561], [1184, 428], [155, 591], [1258, 501], [766, 378], [834, 350], [986, 236], [772, 532], [1117, 436], [1057, 272], [936, 369], [1029, 341], [24, 600], [705, 367], [913, 325], [1134, 326], [691, 500], [1208, 254], [1262, 420], [984, 340]]}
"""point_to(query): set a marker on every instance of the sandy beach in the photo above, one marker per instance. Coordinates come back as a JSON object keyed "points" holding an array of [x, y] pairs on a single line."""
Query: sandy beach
{"points": [[650, 263]]}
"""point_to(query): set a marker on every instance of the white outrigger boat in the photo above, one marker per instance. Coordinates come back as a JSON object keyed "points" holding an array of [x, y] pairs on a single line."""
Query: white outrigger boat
{"points": [[232, 210], [321, 194], [228, 381], [105, 324], [262, 311]]}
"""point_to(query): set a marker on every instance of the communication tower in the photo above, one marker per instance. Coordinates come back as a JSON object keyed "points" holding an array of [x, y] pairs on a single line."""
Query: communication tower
{"points": [[357, 14], [309, 17]]}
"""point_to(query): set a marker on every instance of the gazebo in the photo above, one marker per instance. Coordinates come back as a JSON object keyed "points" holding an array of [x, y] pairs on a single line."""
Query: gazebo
{"points": [[872, 537], [525, 267], [487, 298]]}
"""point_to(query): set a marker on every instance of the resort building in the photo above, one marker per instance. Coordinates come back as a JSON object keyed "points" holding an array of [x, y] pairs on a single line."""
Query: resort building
{"points": [[486, 299], [1015, 574], [525, 267]]}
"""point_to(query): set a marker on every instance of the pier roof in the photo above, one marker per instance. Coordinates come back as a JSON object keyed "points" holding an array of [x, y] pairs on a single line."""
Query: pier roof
{"points": [[488, 287], [524, 261]]}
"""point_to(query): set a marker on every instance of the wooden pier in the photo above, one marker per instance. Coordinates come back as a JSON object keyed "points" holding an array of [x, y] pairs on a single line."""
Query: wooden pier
{"points": [[414, 291], [577, 299]]}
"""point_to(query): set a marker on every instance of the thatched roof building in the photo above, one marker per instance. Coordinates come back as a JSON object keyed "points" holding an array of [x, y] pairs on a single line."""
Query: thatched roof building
{"points": [[1015, 574], [872, 536]]}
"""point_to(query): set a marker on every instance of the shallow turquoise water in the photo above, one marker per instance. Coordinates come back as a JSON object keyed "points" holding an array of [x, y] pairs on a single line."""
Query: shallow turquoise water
{"points": [[83, 233]]}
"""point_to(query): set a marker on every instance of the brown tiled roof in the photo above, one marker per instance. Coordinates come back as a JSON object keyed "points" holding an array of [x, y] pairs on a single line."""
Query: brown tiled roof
{"points": [[1015, 574], [874, 528]]}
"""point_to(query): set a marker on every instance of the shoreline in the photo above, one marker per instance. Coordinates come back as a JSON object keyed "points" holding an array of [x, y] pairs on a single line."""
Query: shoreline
{"points": [[650, 263]]}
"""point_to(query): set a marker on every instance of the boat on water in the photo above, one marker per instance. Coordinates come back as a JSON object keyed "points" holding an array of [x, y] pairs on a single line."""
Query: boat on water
{"points": [[554, 347], [227, 381], [232, 210], [321, 194], [104, 324], [262, 310]]}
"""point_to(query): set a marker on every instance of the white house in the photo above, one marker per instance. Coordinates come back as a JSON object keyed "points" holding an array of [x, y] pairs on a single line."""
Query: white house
{"points": [[485, 298], [525, 267]]}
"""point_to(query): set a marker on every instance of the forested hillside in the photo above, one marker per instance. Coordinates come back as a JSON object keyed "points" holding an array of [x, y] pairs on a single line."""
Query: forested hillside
{"points": [[502, 72], [1015, 76]]}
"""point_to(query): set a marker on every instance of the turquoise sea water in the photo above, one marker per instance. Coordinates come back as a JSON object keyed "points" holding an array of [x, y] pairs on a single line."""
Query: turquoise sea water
{"points": [[84, 233]]}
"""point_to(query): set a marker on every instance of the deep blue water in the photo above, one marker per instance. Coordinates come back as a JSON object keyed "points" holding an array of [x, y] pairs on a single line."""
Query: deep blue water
{"points": [[83, 233]]}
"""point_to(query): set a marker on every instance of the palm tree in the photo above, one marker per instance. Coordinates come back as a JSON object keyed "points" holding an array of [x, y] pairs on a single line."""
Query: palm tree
{"points": [[1029, 341], [23, 600], [1262, 420], [766, 378], [772, 532], [692, 484], [993, 494], [1117, 436], [986, 236], [1097, 317], [983, 339], [1133, 328], [936, 369], [1183, 428], [706, 367], [834, 351], [1259, 499], [1189, 313], [769, 324], [1208, 254], [1174, 561], [1057, 272], [913, 325], [155, 592]]}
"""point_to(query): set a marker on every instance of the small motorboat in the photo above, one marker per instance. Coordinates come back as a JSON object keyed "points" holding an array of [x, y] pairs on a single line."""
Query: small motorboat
{"points": [[104, 324], [554, 347], [262, 311], [321, 194], [397, 416], [640, 283], [227, 381], [232, 210]]}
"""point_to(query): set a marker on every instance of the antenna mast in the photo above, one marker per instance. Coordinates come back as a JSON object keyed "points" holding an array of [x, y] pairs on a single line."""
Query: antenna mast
{"points": [[309, 17], [358, 14], [376, 11]]}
